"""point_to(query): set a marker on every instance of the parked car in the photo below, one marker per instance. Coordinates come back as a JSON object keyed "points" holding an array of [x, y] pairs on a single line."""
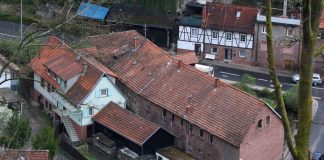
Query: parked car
{"points": [[317, 156], [316, 79]]}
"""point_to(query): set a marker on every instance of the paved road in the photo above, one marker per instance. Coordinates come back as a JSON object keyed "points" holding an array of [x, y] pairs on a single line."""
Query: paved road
{"points": [[317, 130], [262, 79]]}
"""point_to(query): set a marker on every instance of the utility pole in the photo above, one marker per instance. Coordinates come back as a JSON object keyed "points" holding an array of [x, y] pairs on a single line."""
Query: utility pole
{"points": [[21, 29]]}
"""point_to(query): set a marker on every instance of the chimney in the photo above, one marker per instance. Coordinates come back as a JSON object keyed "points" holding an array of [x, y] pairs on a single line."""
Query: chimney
{"points": [[188, 108], [285, 8], [180, 64], [136, 43], [85, 67], [217, 83]]}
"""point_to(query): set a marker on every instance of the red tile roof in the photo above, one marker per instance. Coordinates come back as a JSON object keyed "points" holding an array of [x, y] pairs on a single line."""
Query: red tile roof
{"points": [[126, 123], [64, 67], [84, 85], [52, 49], [27, 155], [62, 61], [187, 58], [221, 16], [219, 108]]}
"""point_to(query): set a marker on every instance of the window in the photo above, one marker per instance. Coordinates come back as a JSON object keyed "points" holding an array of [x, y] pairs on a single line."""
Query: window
{"points": [[172, 118], [201, 133], [104, 92], [264, 29], [42, 82], [215, 34], [48, 71], [228, 36], [260, 123], [267, 121], [213, 51], [211, 138], [243, 37], [90, 111], [48, 87], [164, 113], [238, 14], [289, 32], [135, 97], [242, 53], [190, 127], [148, 105], [181, 122], [194, 31], [160, 158], [129, 92]]}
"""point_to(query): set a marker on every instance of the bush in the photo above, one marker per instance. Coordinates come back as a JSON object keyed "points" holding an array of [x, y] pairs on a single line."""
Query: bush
{"points": [[248, 79], [291, 98], [46, 140], [245, 87], [265, 92]]}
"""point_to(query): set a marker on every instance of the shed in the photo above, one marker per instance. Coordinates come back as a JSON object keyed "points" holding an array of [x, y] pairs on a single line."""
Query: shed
{"points": [[130, 130]]}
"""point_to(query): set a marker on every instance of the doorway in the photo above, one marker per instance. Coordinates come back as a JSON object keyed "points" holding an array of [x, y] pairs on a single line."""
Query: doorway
{"points": [[228, 54]]}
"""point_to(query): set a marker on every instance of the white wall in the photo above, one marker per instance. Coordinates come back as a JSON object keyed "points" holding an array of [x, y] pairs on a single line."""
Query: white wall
{"points": [[71, 82], [187, 41], [114, 95], [40, 89]]}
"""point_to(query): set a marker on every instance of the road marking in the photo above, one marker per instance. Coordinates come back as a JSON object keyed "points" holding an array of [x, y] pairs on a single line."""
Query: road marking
{"points": [[262, 79], [223, 75], [289, 84], [232, 74]]}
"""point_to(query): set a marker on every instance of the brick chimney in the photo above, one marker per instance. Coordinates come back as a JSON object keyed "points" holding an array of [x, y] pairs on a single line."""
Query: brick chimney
{"points": [[217, 83], [180, 64], [136, 42]]}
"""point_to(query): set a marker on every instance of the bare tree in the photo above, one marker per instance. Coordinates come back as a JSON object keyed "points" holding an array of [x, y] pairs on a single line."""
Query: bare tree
{"points": [[311, 12]]}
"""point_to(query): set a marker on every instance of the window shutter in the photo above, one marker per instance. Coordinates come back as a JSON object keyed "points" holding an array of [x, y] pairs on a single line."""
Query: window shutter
{"points": [[97, 94]]}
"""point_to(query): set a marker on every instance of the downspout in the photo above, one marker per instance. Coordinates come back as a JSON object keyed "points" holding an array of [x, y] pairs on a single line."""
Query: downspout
{"points": [[257, 44]]}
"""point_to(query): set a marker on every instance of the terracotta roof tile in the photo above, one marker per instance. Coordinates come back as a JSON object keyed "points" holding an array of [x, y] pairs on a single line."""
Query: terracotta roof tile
{"points": [[126, 123], [221, 109], [224, 17], [52, 49], [64, 67], [187, 58], [27, 155], [84, 85]]}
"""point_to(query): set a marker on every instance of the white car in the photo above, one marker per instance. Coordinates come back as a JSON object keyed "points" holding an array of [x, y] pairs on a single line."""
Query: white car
{"points": [[316, 79]]}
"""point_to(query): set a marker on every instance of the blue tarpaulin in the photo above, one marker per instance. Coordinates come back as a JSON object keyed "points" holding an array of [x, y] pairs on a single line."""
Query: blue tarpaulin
{"points": [[92, 11]]}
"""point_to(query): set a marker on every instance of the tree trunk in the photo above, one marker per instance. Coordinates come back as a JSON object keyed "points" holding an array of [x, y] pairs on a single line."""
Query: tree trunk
{"points": [[310, 21]]}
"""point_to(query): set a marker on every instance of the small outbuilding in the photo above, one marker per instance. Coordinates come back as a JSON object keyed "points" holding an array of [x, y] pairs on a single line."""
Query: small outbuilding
{"points": [[130, 130]]}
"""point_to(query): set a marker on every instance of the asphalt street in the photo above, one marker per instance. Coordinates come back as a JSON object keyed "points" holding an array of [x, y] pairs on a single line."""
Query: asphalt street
{"points": [[317, 129], [262, 79]]}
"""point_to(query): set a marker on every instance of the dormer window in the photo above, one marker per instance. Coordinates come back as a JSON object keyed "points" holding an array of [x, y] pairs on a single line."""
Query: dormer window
{"points": [[238, 14]]}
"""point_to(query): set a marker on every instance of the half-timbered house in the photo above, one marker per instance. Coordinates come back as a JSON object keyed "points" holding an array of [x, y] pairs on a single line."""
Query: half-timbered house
{"points": [[225, 33]]}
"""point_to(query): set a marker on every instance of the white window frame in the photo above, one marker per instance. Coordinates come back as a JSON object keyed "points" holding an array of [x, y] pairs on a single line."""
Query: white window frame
{"points": [[103, 95], [226, 36], [245, 37], [212, 52], [287, 32], [192, 32], [264, 29], [241, 56], [215, 34]]}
